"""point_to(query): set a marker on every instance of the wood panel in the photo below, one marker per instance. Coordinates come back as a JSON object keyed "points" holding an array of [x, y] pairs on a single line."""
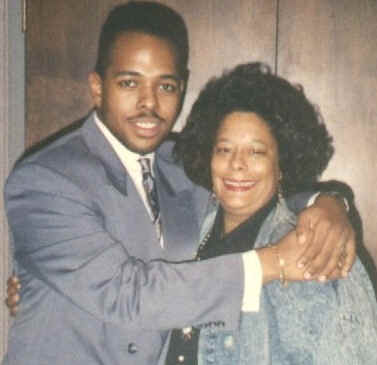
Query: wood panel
{"points": [[224, 33], [330, 48], [61, 48], [62, 44]]}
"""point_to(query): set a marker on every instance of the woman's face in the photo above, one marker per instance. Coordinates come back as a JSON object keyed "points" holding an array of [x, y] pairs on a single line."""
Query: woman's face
{"points": [[244, 166]]}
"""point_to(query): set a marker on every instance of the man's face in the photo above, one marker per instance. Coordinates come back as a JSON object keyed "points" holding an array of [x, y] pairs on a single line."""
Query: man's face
{"points": [[139, 97]]}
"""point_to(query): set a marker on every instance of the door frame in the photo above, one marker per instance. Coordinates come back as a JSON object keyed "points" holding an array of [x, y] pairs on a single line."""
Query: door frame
{"points": [[12, 127]]}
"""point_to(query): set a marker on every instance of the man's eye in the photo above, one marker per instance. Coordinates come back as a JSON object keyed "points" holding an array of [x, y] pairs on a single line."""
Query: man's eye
{"points": [[171, 88], [127, 83]]}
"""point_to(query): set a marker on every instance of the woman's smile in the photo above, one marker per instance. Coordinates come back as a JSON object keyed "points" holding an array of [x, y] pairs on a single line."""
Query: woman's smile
{"points": [[238, 185]]}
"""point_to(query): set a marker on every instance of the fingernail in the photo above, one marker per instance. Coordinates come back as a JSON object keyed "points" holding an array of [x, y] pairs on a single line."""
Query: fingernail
{"points": [[345, 273], [322, 278], [307, 275], [301, 264]]}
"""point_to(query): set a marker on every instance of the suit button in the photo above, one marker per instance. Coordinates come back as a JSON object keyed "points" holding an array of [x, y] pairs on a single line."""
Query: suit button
{"points": [[132, 348]]}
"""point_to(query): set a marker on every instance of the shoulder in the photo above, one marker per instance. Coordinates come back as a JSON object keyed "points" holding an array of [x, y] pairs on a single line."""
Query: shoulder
{"points": [[170, 167], [278, 223], [66, 159], [165, 150], [63, 142], [175, 175]]}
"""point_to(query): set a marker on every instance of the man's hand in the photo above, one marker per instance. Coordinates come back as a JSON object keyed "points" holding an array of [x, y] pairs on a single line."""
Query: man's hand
{"points": [[329, 239], [13, 294], [287, 249]]}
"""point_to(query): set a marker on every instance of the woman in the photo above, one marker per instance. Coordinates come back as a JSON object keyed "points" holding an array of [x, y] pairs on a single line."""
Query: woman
{"points": [[253, 138]]}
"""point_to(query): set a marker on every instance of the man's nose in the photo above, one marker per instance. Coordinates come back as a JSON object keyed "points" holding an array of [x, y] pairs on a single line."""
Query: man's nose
{"points": [[147, 98]]}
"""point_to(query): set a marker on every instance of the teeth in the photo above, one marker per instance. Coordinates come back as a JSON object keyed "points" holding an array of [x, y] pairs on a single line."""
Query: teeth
{"points": [[146, 125], [239, 183]]}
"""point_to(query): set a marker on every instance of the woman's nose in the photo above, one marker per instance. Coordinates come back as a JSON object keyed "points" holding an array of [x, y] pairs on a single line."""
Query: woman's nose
{"points": [[238, 161]]}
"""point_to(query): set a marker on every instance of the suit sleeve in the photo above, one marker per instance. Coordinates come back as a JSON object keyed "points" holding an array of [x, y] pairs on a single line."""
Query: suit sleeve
{"points": [[60, 239], [298, 202]]}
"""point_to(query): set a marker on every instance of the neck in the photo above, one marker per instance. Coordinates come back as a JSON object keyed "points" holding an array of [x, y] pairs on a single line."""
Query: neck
{"points": [[231, 222]]}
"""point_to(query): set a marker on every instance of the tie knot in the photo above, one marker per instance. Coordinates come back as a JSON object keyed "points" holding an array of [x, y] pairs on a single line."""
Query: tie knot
{"points": [[145, 164], [150, 187]]}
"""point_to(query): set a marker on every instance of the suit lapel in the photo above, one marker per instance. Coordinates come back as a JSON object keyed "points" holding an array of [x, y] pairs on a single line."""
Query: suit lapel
{"points": [[129, 222], [178, 212], [101, 148]]}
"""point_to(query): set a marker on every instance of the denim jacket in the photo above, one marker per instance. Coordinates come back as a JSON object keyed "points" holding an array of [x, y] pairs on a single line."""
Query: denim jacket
{"points": [[306, 323]]}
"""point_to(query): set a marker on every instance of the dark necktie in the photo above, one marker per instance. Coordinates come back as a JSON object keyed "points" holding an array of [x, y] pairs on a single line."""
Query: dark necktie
{"points": [[150, 188]]}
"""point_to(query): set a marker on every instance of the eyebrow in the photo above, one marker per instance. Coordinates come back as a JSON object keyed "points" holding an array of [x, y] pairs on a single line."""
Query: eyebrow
{"points": [[138, 74], [252, 141]]}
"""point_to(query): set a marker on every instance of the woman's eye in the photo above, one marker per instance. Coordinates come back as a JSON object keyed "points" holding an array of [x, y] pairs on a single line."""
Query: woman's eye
{"points": [[127, 83], [222, 150], [258, 151]]}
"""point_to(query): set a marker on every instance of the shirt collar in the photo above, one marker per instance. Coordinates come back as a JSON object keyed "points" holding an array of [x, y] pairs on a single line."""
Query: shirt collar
{"points": [[241, 239]]}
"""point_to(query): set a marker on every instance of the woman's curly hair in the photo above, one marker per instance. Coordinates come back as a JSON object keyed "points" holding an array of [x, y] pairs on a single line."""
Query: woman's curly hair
{"points": [[304, 145]]}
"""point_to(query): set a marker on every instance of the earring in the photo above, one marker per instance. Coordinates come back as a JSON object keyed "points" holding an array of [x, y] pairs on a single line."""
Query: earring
{"points": [[280, 193], [280, 189]]}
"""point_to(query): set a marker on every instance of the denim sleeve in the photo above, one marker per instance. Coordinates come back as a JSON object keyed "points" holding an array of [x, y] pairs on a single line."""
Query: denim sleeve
{"points": [[350, 337]]}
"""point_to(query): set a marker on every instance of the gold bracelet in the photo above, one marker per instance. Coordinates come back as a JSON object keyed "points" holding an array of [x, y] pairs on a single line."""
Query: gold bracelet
{"points": [[281, 262]]}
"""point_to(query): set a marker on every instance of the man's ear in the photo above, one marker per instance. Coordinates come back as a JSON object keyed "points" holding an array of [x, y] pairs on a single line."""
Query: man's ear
{"points": [[95, 84], [185, 80], [183, 88]]}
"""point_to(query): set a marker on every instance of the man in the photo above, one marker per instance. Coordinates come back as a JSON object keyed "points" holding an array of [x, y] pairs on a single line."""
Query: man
{"points": [[96, 253]]}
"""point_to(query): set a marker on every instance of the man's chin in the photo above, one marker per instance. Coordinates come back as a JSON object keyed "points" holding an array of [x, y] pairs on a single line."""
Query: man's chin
{"points": [[144, 149]]}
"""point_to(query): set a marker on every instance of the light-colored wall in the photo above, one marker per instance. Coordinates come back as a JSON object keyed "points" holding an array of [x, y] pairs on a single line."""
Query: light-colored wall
{"points": [[12, 78]]}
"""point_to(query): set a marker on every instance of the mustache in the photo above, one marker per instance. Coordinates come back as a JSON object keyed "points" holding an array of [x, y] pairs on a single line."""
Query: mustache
{"points": [[145, 115]]}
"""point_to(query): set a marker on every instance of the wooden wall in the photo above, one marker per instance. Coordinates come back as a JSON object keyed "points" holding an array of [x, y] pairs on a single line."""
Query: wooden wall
{"points": [[62, 44], [328, 46]]}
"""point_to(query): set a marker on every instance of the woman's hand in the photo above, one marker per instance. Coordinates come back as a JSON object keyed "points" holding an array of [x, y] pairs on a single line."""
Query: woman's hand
{"points": [[13, 294], [329, 239]]}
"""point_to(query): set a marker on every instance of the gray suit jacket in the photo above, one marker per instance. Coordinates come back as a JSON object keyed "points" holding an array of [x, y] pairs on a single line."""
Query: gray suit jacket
{"points": [[97, 286]]}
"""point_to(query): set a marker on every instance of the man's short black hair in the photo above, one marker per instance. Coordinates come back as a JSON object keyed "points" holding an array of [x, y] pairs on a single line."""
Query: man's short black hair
{"points": [[144, 17]]}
